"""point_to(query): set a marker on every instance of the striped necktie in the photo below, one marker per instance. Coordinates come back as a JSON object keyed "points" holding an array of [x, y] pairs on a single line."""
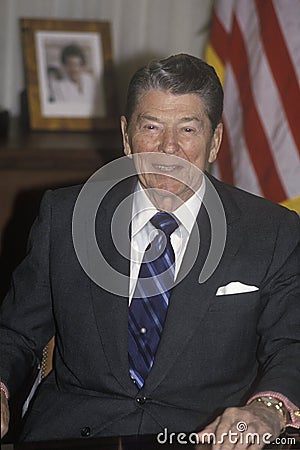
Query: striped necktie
{"points": [[148, 308]]}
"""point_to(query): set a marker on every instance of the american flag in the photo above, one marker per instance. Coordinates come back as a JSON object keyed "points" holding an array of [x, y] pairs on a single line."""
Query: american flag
{"points": [[254, 46]]}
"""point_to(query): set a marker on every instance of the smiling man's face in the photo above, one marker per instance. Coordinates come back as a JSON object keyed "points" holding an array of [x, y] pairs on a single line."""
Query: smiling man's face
{"points": [[169, 126]]}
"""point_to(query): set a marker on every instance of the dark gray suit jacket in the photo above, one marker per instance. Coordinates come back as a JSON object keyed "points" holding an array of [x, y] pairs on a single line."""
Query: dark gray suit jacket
{"points": [[215, 351]]}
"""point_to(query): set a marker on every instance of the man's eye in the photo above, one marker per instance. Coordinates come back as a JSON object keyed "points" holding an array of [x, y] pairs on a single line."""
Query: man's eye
{"points": [[150, 127], [188, 130]]}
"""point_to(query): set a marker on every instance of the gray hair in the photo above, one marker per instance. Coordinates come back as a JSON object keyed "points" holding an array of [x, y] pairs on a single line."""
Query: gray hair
{"points": [[178, 75]]}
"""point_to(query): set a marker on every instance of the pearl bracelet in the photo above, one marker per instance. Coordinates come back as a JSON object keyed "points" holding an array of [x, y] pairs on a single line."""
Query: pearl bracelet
{"points": [[273, 402]]}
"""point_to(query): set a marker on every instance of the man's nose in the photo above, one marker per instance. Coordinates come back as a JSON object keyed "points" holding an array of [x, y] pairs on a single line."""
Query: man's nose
{"points": [[169, 142]]}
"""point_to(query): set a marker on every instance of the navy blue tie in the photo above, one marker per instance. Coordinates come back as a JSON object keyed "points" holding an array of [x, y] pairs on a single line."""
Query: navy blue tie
{"points": [[148, 308]]}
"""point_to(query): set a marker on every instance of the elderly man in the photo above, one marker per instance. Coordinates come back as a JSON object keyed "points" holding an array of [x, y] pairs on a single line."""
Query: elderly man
{"points": [[149, 336]]}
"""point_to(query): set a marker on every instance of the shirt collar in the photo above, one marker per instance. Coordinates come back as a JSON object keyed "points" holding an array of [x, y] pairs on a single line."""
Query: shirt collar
{"points": [[188, 211], [143, 209]]}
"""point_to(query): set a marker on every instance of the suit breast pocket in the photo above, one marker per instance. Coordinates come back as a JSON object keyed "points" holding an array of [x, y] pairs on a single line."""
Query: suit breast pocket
{"points": [[240, 302]]}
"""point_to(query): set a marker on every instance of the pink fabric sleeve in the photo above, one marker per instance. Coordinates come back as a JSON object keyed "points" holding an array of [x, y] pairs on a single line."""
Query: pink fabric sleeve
{"points": [[293, 410], [4, 389]]}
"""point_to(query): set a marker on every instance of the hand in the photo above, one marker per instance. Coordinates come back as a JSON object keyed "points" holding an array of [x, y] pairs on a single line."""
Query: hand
{"points": [[4, 415], [237, 427]]}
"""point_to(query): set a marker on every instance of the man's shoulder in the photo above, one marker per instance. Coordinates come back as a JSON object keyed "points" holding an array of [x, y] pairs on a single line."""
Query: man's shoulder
{"points": [[64, 197], [108, 191], [251, 205], [67, 193]]}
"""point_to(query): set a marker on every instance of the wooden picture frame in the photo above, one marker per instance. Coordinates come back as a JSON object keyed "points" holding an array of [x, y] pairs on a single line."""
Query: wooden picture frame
{"points": [[69, 74]]}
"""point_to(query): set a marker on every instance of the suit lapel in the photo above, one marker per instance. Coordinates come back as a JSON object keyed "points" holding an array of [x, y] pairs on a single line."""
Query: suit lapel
{"points": [[111, 310], [190, 299]]}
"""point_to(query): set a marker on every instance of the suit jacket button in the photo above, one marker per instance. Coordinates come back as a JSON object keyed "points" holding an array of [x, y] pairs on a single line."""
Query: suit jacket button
{"points": [[85, 432], [141, 400]]}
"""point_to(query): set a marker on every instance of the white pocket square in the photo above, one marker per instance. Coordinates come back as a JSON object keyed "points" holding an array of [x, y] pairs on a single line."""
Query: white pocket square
{"points": [[235, 287]]}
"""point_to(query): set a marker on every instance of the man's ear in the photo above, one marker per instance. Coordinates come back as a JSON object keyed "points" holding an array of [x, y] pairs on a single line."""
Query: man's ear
{"points": [[215, 143], [126, 145]]}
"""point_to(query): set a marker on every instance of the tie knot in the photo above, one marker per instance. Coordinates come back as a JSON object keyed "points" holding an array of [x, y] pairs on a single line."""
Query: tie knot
{"points": [[165, 222]]}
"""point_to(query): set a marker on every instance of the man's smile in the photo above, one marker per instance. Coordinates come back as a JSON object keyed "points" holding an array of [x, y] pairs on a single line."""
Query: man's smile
{"points": [[166, 167]]}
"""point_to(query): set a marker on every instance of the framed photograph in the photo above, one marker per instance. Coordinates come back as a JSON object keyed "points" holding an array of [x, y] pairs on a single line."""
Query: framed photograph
{"points": [[69, 74]]}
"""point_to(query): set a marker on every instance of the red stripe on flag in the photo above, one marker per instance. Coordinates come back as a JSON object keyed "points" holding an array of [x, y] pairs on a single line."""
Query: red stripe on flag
{"points": [[224, 159], [281, 65], [219, 39], [255, 137]]}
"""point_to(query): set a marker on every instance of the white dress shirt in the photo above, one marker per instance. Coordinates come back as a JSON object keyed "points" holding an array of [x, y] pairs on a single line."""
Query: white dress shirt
{"points": [[143, 232]]}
